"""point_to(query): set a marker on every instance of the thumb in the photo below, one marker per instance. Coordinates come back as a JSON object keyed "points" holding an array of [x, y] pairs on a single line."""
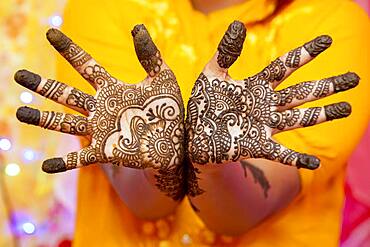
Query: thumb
{"points": [[146, 51], [231, 45]]}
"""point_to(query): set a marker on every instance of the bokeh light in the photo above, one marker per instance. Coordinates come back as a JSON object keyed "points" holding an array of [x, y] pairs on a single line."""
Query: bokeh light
{"points": [[12, 169], [5, 144], [26, 97], [29, 155], [28, 227], [55, 21]]}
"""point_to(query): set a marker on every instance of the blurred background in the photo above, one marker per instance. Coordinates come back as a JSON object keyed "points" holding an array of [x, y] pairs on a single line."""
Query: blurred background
{"points": [[37, 209]]}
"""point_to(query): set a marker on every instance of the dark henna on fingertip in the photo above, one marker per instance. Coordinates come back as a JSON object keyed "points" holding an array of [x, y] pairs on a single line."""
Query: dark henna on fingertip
{"points": [[58, 39], [27, 79], [337, 110], [345, 81], [231, 45], [54, 165], [318, 45], [146, 51], [28, 115], [307, 161]]}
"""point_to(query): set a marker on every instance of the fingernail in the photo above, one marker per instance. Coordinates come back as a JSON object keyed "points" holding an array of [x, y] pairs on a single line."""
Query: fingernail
{"points": [[54, 165], [231, 45], [345, 81], [307, 161], [27, 79], [60, 41], [318, 45], [28, 115], [337, 110]]}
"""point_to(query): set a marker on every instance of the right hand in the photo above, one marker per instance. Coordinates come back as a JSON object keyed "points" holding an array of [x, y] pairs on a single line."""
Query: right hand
{"points": [[138, 126]]}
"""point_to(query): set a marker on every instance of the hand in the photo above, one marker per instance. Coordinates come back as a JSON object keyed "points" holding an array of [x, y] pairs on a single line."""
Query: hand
{"points": [[138, 126], [229, 120]]}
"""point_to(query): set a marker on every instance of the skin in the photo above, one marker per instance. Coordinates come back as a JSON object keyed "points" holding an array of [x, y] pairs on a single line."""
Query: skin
{"points": [[230, 123], [137, 128]]}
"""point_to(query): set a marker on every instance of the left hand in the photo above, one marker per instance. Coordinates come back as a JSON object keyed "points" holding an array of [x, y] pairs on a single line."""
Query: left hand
{"points": [[230, 120]]}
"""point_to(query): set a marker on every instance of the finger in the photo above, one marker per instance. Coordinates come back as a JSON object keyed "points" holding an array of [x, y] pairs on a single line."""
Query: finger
{"points": [[146, 51], [63, 122], [285, 65], [229, 48], [277, 152], [297, 118], [80, 59], [308, 91], [86, 156], [57, 91]]}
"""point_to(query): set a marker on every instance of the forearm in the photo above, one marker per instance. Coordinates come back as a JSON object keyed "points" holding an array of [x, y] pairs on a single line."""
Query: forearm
{"points": [[237, 197], [138, 190]]}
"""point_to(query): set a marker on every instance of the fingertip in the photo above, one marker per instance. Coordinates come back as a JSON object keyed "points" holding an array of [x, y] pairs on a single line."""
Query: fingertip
{"points": [[231, 44], [337, 110], [346, 81], [27, 79], [318, 45], [146, 51], [307, 161], [58, 39], [54, 165], [28, 115]]}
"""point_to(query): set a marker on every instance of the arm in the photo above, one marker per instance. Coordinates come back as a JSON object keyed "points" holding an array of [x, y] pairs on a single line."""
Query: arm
{"points": [[139, 127], [231, 123]]}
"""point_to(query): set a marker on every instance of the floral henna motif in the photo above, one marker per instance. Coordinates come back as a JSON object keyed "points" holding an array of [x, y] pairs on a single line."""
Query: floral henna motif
{"points": [[231, 44], [230, 120], [138, 126]]}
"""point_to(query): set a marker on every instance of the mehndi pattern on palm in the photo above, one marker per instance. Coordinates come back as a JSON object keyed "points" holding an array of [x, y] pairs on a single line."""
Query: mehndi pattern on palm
{"points": [[229, 120], [132, 125]]}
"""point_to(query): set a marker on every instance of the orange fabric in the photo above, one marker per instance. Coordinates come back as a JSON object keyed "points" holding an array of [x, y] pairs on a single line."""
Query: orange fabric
{"points": [[187, 40]]}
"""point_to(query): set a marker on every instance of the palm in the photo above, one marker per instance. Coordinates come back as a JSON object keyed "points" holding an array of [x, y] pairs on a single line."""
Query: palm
{"points": [[230, 120], [138, 126]]}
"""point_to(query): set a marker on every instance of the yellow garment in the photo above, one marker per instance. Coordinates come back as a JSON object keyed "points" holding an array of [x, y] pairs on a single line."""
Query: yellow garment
{"points": [[187, 40]]}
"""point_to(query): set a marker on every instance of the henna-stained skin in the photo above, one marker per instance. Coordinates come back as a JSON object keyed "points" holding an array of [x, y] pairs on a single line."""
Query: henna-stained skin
{"points": [[318, 45], [345, 82], [307, 161], [231, 44], [147, 52], [138, 126], [28, 115], [230, 120], [54, 165], [60, 41], [27, 79], [337, 110]]}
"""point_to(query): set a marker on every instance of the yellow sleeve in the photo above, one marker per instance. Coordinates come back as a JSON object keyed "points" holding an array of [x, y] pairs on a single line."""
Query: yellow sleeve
{"points": [[348, 25]]}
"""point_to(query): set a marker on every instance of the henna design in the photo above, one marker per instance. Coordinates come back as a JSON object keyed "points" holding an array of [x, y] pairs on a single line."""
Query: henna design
{"points": [[275, 71], [322, 88], [81, 100], [147, 52], [299, 92], [293, 58], [258, 176], [68, 49], [72, 160], [66, 123], [231, 44], [318, 45], [310, 116], [27, 79], [345, 81], [53, 89], [337, 110]]}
